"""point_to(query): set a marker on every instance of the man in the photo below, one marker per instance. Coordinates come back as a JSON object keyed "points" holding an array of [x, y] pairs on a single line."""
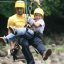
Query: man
{"points": [[18, 20]]}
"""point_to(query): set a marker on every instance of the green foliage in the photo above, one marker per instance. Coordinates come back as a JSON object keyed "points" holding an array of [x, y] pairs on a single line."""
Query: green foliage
{"points": [[50, 7], [48, 40], [7, 7], [53, 7], [60, 48], [57, 39]]}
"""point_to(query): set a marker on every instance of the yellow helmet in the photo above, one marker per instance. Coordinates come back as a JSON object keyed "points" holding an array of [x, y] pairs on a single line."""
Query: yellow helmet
{"points": [[39, 10], [20, 4]]}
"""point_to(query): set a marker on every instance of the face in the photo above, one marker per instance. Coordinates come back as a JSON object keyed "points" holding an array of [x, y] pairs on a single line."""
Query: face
{"points": [[20, 11], [37, 16]]}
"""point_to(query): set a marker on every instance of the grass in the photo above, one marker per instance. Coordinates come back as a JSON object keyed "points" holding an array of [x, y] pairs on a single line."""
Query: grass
{"points": [[60, 48], [57, 48]]}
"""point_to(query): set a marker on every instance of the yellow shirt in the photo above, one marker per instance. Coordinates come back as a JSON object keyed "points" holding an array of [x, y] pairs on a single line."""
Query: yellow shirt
{"points": [[17, 21]]}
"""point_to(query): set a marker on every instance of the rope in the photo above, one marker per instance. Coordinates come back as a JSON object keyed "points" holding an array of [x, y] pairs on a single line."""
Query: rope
{"points": [[26, 10]]}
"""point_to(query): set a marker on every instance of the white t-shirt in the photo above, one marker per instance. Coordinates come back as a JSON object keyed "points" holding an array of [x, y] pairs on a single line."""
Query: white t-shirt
{"points": [[40, 28]]}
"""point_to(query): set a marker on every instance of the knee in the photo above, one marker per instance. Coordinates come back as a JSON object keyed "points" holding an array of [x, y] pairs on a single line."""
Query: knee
{"points": [[37, 40], [25, 44], [25, 47]]}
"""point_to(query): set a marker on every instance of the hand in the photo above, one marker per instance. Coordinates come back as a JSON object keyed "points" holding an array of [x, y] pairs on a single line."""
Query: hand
{"points": [[36, 24], [28, 25]]}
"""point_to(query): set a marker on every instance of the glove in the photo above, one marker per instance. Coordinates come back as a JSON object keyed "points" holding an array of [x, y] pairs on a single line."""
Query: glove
{"points": [[30, 21], [28, 26], [36, 24]]}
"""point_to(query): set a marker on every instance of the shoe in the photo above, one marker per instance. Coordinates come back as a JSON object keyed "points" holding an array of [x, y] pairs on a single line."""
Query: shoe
{"points": [[46, 54], [3, 39], [14, 51]]}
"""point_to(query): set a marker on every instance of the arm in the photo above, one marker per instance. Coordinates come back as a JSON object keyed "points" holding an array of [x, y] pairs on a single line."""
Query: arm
{"points": [[30, 21], [10, 23], [40, 25], [37, 24]]}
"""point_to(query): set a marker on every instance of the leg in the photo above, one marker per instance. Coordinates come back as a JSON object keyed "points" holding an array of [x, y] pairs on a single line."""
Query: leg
{"points": [[8, 37], [40, 47], [26, 52], [17, 31], [11, 39], [28, 33], [20, 31]]}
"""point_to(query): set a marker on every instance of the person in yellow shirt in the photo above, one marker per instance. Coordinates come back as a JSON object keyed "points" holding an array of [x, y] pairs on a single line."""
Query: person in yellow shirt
{"points": [[17, 20]]}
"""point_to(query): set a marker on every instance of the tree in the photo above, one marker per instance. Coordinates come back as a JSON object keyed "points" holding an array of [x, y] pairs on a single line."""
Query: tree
{"points": [[53, 7], [7, 7], [50, 7]]}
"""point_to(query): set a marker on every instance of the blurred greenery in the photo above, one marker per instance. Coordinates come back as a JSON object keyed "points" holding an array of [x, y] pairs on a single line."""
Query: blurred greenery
{"points": [[50, 7], [53, 7], [60, 48], [57, 39], [7, 7], [55, 48]]}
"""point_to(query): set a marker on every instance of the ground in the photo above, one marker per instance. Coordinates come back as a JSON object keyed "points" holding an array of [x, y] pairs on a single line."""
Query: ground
{"points": [[57, 57]]}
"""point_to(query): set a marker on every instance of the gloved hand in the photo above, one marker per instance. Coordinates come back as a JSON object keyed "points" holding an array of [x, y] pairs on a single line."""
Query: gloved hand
{"points": [[30, 20], [11, 30], [37, 24], [28, 26]]}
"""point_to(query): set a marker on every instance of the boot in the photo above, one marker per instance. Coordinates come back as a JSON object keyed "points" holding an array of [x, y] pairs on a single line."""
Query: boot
{"points": [[46, 54]]}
